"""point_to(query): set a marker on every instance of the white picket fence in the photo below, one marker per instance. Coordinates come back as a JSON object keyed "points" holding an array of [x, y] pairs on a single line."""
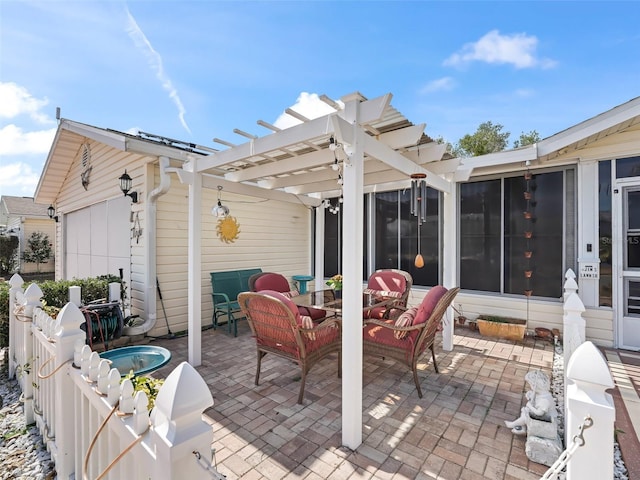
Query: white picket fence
{"points": [[92, 424]]}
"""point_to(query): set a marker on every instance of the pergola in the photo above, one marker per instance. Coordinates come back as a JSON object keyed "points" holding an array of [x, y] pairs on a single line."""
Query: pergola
{"points": [[377, 149]]}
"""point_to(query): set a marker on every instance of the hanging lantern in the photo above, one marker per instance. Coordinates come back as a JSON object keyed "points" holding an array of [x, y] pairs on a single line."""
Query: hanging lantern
{"points": [[419, 207]]}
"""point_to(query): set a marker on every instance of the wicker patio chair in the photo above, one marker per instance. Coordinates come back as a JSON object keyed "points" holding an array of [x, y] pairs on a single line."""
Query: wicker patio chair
{"points": [[279, 283], [406, 335], [389, 282], [279, 328]]}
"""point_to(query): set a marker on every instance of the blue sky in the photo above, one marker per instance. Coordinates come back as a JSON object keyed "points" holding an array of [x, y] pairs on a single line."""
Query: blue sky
{"points": [[195, 70]]}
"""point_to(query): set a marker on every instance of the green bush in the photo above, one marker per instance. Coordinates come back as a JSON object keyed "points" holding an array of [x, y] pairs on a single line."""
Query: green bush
{"points": [[56, 294]]}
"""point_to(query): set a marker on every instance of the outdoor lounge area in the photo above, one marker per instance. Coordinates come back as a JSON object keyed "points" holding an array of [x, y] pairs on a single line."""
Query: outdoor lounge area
{"points": [[456, 431], [452, 422]]}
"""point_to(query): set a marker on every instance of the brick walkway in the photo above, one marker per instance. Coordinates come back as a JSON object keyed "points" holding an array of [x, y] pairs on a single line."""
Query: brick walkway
{"points": [[456, 431]]}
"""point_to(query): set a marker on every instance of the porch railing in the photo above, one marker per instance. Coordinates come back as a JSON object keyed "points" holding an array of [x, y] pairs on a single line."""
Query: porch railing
{"points": [[92, 423]]}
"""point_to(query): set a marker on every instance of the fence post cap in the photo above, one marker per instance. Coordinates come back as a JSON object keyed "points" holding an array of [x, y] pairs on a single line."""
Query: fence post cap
{"points": [[70, 318], [587, 365], [574, 303], [33, 291], [16, 281], [570, 274], [183, 393], [570, 284]]}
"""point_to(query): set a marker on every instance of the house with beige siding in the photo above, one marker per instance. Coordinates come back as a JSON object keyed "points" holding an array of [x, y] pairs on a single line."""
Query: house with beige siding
{"points": [[21, 217], [582, 207]]}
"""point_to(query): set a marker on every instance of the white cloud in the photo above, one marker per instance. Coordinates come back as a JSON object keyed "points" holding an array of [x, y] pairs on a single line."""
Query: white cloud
{"points": [[15, 141], [439, 85], [308, 105], [155, 62], [16, 100], [518, 50], [18, 179]]}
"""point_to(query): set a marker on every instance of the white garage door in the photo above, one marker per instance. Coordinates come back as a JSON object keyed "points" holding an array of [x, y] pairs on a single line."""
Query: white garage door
{"points": [[97, 240]]}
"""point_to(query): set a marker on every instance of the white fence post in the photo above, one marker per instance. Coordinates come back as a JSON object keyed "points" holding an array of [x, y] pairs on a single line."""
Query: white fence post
{"points": [[32, 296], [574, 326], [75, 295], [179, 430], [586, 397], [68, 333], [15, 283], [570, 284]]}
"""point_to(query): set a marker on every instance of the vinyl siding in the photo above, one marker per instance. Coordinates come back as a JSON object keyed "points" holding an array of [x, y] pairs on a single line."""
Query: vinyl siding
{"points": [[274, 236]]}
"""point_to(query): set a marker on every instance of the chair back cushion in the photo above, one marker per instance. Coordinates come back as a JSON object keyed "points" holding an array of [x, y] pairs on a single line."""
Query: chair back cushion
{"points": [[429, 302], [386, 281], [284, 299], [271, 281]]}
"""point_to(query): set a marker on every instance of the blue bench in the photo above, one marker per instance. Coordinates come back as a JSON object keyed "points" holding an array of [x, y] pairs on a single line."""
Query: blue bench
{"points": [[225, 289]]}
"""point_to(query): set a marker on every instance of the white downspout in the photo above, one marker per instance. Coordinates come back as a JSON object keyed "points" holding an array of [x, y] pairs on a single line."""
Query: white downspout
{"points": [[150, 307]]}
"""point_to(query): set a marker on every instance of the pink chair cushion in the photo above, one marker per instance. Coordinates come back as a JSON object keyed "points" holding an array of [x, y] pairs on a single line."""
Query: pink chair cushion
{"points": [[287, 301], [272, 281], [429, 302], [314, 313], [377, 334], [387, 281]]}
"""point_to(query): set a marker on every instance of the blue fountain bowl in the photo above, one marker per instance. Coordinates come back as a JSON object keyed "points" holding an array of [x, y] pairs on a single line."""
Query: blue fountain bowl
{"points": [[140, 359]]}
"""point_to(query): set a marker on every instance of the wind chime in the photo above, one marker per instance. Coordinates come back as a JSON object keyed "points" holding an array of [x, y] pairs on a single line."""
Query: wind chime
{"points": [[419, 208], [528, 234]]}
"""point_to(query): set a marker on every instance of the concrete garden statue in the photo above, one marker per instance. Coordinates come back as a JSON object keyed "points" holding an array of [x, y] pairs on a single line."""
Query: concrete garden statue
{"points": [[540, 404], [539, 421]]}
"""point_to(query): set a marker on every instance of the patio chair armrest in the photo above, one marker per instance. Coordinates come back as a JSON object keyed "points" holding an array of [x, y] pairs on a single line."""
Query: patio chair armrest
{"points": [[330, 322], [410, 328], [223, 295]]}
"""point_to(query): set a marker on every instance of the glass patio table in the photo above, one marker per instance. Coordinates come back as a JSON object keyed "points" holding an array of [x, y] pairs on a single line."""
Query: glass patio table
{"points": [[326, 300]]}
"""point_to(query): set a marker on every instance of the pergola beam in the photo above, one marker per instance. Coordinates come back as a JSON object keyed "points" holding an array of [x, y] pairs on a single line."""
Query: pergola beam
{"points": [[402, 164], [302, 162], [372, 110]]}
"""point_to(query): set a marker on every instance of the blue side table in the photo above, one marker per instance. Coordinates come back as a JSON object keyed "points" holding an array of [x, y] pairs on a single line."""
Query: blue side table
{"points": [[302, 281]]}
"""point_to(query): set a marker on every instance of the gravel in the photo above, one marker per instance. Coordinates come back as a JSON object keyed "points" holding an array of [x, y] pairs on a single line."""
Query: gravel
{"points": [[23, 456]]}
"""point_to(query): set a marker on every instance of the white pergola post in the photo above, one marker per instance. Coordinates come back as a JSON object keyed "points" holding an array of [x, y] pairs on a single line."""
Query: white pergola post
{"points": [[352, 251], [319, 249], [449, 254], [195, 270]]}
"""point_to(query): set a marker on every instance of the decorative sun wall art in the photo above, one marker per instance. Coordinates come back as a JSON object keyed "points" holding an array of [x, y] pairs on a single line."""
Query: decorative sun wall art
{"points": [[228, 229]]}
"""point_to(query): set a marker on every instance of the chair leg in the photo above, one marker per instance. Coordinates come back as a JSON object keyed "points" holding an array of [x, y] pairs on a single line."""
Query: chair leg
{"points": [[435, 364], [339, 364], [416, 380], [302, 382], [260, 355]]}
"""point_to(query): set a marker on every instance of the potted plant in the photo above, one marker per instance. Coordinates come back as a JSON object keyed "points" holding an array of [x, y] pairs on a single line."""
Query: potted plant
{"points": [[335, 283], [502, 327]]}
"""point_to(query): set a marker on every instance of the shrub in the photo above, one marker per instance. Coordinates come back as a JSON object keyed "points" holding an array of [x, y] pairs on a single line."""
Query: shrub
{"points": [[56, 295], [8, 254]]}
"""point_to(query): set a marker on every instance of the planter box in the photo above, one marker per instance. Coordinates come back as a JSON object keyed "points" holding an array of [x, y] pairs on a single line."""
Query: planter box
{"points": [[512, 329]]}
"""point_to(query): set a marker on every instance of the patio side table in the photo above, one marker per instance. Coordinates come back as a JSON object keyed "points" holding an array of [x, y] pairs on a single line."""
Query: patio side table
{"points": [[302, 281]]}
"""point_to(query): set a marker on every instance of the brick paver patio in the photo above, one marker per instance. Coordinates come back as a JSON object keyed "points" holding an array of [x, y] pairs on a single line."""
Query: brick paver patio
{"points": [[456, 431]]}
